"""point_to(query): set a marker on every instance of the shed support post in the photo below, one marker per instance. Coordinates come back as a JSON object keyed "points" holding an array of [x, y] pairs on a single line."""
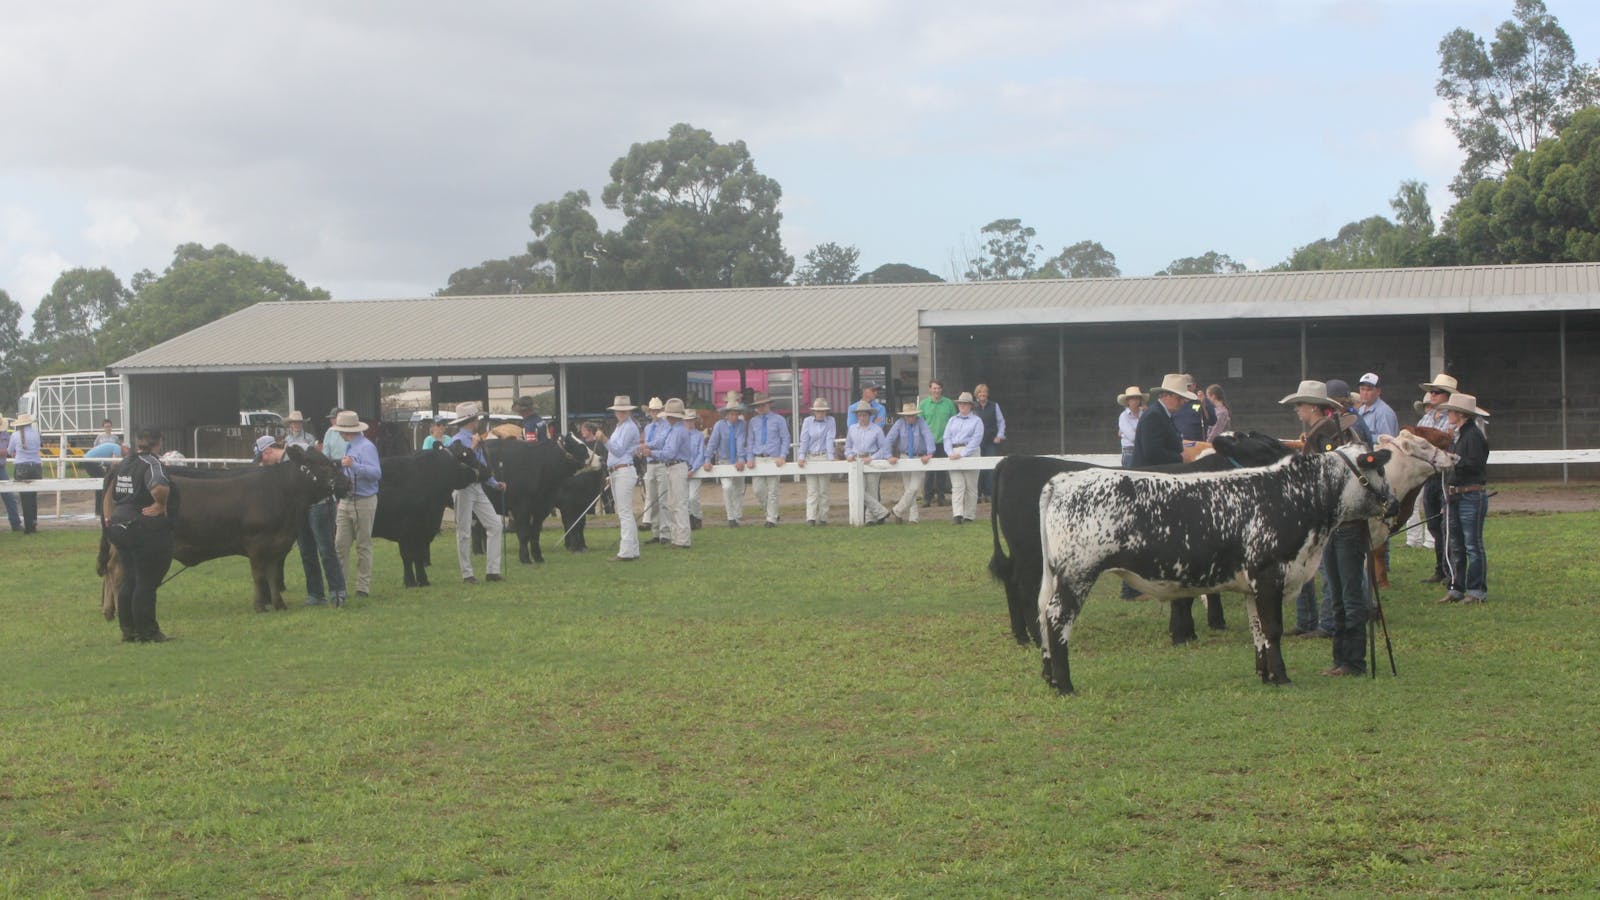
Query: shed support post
{"points": [[1305, 365], [339, 387], [1435, 345], [561, 396], [291, 394], [1061, 383], [1562, 338]]}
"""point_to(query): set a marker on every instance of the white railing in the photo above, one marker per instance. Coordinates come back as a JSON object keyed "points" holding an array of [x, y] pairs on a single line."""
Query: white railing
{"points": [[853, 471]]}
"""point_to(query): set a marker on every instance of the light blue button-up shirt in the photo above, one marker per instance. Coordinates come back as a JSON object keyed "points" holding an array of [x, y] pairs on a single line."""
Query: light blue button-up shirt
{"points": [[464, 438], [623, 442], [1379, 418], [817, 437], [24, 445], [910, 436], [964, 434], [334, 444], [364, 470], [677, 444], [727, 442], [768, 436], [866, 441]]}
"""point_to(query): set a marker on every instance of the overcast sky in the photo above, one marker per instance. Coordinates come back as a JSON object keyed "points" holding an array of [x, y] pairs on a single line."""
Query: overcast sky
{"points": [[375, 147]]}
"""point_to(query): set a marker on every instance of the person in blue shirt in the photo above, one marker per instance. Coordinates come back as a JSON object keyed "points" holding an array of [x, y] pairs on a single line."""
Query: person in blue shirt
{"points": [[9, 498], [295, 434], [865, 441], [28, 465], [768, 435], [654, 476], [963, 439], [817, 435], [672, 452], [726, 446], [702, 453], [1377, 415], [357, 509], [911, 438], [333, 443], [106, 436], [471, 501], [533, 427], [436, 434], [869, 396], [621, 450]]}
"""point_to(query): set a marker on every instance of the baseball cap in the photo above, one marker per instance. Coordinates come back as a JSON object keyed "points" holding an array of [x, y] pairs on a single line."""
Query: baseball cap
{"points": [[1370, 378], [263, 443]]}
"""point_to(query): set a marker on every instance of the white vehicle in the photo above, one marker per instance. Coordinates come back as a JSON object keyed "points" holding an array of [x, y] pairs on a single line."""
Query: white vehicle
{"points": [[74, 404], [260, 417]]}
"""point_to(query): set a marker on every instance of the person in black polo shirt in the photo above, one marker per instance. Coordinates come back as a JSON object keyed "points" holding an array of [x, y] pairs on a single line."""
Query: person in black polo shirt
{"points": [[134, 515]]}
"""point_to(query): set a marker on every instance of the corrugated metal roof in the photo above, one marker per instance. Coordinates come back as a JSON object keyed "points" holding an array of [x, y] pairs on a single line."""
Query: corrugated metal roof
{"points": [[842, 320]]}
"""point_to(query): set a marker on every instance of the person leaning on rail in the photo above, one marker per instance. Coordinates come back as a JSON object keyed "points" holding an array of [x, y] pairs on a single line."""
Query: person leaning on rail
{"points": [[726, 447], [816, 445], [622, 447], [963, 439], [27, 465], [911, 438], [768, 442]]}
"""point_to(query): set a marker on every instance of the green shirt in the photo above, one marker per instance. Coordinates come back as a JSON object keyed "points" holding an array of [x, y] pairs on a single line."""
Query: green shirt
{"points": [[937, 413]]}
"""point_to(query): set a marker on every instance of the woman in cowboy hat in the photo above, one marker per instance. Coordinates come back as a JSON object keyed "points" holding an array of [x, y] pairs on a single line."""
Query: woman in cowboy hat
{"points": [[865, 441], [1436, 392], [1467, 502], [28, 465], [726, 446], [621, 449], [296, 434], [816, 445], [1132, 402], [912, 438], [963, 439]]}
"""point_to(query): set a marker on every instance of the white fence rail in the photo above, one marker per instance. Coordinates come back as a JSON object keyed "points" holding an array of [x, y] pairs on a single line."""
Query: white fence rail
{"points": [[853, 471]]}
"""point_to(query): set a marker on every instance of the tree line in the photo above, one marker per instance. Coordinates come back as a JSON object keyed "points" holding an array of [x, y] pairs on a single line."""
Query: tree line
{"points": [[699, 214]]}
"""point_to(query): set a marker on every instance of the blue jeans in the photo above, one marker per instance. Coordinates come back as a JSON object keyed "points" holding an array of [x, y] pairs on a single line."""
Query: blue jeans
{"points": [[1469, 568], [1127, 457], [10, 501], [316, 540], [1344, 561], [1309, 615]]}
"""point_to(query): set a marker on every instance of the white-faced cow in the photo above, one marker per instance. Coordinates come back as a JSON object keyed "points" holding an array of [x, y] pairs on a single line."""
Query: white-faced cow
{"points": [[254, 512], [1018, 481], [1259, 532]]}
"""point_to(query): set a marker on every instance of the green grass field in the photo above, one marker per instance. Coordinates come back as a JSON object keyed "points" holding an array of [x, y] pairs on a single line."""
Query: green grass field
{"points": [[797, 712]]}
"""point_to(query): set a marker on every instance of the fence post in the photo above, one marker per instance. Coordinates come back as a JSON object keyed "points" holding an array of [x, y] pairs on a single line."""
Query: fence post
{"points": [[858, 493]]}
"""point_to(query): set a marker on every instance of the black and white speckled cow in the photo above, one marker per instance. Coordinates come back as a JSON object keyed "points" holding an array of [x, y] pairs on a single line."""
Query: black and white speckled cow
{"points": [[1259, 532]]}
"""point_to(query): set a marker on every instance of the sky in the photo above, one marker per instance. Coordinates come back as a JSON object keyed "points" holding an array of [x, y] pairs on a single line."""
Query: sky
{"points": [[375, 147]]}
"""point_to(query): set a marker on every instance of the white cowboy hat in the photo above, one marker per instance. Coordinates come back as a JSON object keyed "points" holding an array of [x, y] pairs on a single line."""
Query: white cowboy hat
{"points": [[1422, 405], [966, 397], [820, 405], [1441, 382], [21, 420], [731, 404], [295, 416], [674, 408], [466, 412], [1174, 383], [1130, 393], [654, 404], [621, 403], [909, 408], [759, 399], [348, 422], [1311, 392], [862, 407], [1463, 403]]}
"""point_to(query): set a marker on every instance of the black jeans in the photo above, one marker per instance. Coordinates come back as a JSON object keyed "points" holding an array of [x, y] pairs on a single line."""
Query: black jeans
{"points": [[146, 556], [936, 484], [1432, 505], [29, 501]]}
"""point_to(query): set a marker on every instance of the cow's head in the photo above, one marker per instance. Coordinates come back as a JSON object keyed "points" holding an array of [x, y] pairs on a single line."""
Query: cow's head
{"points": [[325, 478], [1416, 458], [1250, 450], [1367, 494], [465, 470], [578, 452]]}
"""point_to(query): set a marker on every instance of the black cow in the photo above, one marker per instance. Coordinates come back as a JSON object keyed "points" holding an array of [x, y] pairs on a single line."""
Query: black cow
{"points": [[533, 474], [574, 499], [411, 500], [1014, 514], [1259, 532], [254, 512]]}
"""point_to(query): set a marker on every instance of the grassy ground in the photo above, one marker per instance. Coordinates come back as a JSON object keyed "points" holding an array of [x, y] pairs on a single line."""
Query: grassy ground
{"points": [[793, 712]]}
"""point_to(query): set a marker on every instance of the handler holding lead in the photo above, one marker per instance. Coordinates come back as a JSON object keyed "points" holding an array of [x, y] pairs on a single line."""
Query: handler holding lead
{"points": [[134, 515]]}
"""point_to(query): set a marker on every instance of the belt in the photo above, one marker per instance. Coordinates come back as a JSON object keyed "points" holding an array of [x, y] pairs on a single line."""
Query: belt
{"points": [[623, 466], [1454, 490]]}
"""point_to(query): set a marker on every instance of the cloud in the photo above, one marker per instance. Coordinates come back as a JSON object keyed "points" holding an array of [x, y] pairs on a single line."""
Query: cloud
{"points": [[1436, 154]]}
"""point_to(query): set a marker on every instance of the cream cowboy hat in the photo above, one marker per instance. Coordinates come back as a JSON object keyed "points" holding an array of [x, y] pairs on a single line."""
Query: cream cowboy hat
{"points": [[1130, 393], [466, 412], [862, 407], [909, 408], [654, 404], [1311, 392], [294, 416], [621, 403], [1441, 382], [1174, 383], [731, 404], [674, 408], [966, 397], [21, 420], [759, 399], [4, 425], [1421, 406], [820, 405], [349, 423], [1465, 404]]}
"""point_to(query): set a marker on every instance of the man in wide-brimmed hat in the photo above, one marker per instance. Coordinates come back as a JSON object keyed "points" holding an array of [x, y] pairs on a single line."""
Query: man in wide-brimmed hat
{"points": [[9, 498], [726, 446], [1436, 392], [472, 503], [295, 434], [24, 448], [1194, 417], [767, 448], [654, 475], [622, 450], [816, 445], [963, 439], [909, 437], [1132, 402], [672, 451], [134, 516], [358, 509], [1155, 439], [1466, 502], [319, 553]]}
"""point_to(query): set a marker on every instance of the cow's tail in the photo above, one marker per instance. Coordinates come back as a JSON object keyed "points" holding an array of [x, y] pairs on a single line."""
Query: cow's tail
{"points": [[106, 566], [999, 563]]}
